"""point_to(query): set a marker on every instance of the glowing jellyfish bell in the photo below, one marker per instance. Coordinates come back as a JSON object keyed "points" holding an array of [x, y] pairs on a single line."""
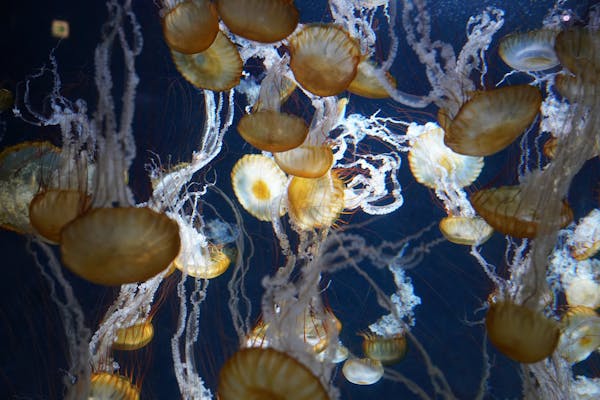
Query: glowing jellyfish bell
{"points": [[134, 337], [506, 211], [580, 334], [465, 230], [362, 371], [257, 373], [315, 203], [529, 51], [217, 68], [367, 84], [387, 350], [324, 59], [520, 333], [111, 386], [265, 21], [115, 242], [490, 120], [189, 26], [258, 183]]}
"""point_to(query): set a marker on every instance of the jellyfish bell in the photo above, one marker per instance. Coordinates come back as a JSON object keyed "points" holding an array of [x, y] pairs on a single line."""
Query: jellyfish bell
{"points": [[265, 21], [273, 131], [432, 162], [504, 209], [113, 246], [491, 120], [22, 170], [578, 50], [580, 334], [585, 241], [367, 84], [258, 182], [315, 203], [530, 51], [217, 68], [468, 231], [583, 291], [112, 386], [362, 371], [134, 337], [520, 333], [324, 59], [257, 373], [387, 350], [190, 26], [306, 160]]}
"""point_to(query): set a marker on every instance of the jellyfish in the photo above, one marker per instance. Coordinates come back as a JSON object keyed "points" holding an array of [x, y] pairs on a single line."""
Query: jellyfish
{"points": [[585, 241], [580, 334], [189, 26], [115, 242], [257, 373], [324, 59], [264, 21], [529, 51], [366, 82], [520, 333], [217, 68], [491, 120], [465, 230], [258, 184], [387, 350], [362, 371], [134, 337], [109, 386]]}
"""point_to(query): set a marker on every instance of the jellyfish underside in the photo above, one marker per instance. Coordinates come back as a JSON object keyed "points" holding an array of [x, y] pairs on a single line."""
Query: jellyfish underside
{"points": [[387, 350], [113, 246], [362, 371], [520, 333], [257, 373], [529, 51]]}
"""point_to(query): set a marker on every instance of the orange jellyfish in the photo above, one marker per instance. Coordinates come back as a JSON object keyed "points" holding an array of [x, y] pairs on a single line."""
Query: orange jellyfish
{"points": [[520, 333], [190, 26], [324, 59], [578, 49], [362, 371], [315, 203], [580, 334], [258, 184], [387, 350], [217, 68], [111, 386], [366, 83], [23, 168], [134, 337], [465, 230], [270, 130], [257, 373], [529, 51], [265, 21], [306, 160], [491, 120], [504, 209]]}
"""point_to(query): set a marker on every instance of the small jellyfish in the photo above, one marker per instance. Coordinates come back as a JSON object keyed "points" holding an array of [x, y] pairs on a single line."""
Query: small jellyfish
{"points": [[529, 51], [362, 371], [190, 26], [583, 291], [217, 68], [465, 230], [134, 337], [580, 334], [257, 373], [273, 131], [315, 203], [324, 59], [112, 246], [257, 182], [520, 333], [264, 21], [506, 212], [491, 120], [580, 89], [366, 83], [387, 350], [111, 386], [204, 263], [306, 161], [432, 162]]}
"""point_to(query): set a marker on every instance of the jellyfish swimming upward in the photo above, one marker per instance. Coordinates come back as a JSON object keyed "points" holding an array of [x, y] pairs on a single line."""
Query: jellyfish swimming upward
{"points": [[301, 199]]}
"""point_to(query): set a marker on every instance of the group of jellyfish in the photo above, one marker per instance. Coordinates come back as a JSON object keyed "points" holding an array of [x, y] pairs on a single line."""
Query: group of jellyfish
{"points": [[300, 176]]}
